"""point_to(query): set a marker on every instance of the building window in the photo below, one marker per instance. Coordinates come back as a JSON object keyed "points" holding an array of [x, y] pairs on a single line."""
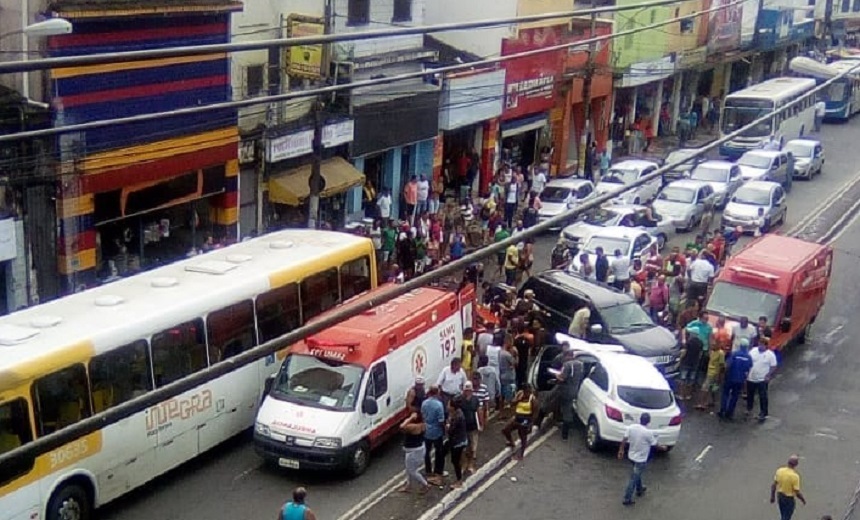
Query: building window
{"points": [[687, 25], [846, 6], [358, 12], [255, 80], [856, 5], [402, 11]]}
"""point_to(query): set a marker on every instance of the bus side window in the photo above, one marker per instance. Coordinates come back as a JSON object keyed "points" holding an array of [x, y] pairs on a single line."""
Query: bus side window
{"points": [[355, 277], [61, 398], [14, 432], [178, 352], [119, 375], [230, 331], [278, 312], [319, 293]]}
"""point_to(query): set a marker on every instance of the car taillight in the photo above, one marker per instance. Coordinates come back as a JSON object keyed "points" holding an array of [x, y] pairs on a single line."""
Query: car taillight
{"points": [[675, 421], [614, 414]]}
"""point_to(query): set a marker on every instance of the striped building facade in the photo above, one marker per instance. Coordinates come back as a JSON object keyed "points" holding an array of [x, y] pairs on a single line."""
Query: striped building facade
{"points": [[114, 178]]}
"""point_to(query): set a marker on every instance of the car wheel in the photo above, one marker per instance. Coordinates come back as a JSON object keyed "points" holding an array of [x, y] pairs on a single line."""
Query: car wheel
{"points": [[804, 335], [360, 459], [592, 435], [70, 502]]}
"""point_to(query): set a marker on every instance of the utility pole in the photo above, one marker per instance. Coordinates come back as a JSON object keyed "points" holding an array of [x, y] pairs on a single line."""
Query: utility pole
{"points": [[316, 181], [585, 140]]}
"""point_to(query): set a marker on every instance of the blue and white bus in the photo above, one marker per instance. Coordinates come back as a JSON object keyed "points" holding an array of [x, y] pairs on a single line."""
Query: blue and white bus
{"points": [[745, 106], [843, 97]]}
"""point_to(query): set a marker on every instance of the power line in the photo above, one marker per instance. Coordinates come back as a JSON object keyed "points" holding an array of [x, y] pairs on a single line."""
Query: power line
{"points": [[350, 86], [122, 411], [197, 50]]}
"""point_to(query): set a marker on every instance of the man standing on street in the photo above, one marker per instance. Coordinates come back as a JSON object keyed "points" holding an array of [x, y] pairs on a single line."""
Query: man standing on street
{"points": [[785, 489], [820, 111], [641, 440], [433, 412], [452, 380], [763, 367], [620, 267], [700, 272], [474, 413], [569, 380], [601, 266], [297, 510], [737, 369]]}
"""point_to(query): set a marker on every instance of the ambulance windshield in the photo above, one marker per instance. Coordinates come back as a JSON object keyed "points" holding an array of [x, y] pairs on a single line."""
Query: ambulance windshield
{"points": [[736, 301], [318, 382]]}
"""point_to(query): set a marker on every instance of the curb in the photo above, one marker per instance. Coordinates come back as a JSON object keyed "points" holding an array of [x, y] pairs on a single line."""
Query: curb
{"points": [[492, 465]]}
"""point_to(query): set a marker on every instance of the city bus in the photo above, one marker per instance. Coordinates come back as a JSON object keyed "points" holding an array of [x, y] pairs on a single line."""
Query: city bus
{"points": [[65, 360], [745, 106], [841, 98]]}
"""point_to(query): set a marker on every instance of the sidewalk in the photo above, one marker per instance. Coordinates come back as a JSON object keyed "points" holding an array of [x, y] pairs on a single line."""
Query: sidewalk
{"points": [[661, 146]]}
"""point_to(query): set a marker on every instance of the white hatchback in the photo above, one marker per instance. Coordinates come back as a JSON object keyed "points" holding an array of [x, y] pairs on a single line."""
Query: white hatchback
{"points": [[616, 389]]}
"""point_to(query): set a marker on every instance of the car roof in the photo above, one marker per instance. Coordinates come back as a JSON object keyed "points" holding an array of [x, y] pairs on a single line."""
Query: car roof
{"points": [[684, 151], [764, 153], [761, 185], [637, 164], [568, 182], [688, 184], [806, 141], [625, 208], [715, 163], [601, 296], [631, 370], [618, 232]]}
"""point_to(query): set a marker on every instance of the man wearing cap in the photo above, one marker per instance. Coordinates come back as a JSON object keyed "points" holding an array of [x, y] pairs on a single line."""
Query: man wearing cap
{"points": [[416, 395], [475, 416], [738, 365], [785, 489]]}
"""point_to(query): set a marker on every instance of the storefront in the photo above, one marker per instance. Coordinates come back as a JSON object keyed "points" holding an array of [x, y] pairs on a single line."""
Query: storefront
{"points": [[639, 96], [469, 101], [289, 161], [250, 158], [531, 84]]}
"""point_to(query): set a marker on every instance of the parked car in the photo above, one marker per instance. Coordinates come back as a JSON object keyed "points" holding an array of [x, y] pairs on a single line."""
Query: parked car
{"points": [[630, 216], [616, 318], [615, 390], [808, 157], [767, 165], [626, 173], [684, 170], [723, 176], [632, 242], [561, 195], [753, 196], [685, 202]]}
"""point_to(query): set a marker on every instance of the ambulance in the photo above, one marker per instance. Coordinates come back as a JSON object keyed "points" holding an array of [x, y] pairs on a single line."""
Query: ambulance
{"points": [[342, 392], [782, 278]]}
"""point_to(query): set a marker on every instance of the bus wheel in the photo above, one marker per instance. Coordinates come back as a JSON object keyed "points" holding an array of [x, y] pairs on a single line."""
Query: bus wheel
{"points": [[70, 502], [360, 459]]}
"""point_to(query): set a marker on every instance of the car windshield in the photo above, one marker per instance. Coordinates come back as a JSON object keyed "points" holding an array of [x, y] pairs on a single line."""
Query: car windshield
{"points": [[626, 317], [599, 217], [754, 161], [736, 301], [680, 155], [708, 174], [609, 245], [738, 113], [617, 176], [675, 194], [323, 383], [646, 398], [554, 193], [747, 195], [798, 149]]}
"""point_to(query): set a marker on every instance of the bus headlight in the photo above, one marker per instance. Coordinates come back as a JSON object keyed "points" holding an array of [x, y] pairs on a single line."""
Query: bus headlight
{"points": [[329, 443], [262, 429]]}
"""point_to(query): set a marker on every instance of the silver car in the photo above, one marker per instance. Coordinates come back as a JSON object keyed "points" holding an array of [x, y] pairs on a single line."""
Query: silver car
{"points": [[756, 205], [684, 170], [767, 165], [808, 157], [685, 202], [561, 195], [723, 176]]}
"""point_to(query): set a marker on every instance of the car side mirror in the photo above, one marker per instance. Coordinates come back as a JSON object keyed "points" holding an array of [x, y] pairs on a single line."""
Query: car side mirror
{"points": [[268, 384], [785, 325], [369, 406], [596, 329]]}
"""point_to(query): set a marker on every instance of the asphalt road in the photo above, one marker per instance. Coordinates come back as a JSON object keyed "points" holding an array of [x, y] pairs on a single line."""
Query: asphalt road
{"points": [[813, 409]]}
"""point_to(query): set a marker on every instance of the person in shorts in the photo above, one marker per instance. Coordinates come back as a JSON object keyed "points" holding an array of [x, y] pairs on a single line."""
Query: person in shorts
{"points": [[691, 355], [713, 377]]}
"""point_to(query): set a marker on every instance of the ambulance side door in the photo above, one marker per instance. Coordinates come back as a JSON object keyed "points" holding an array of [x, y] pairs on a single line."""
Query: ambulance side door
{"points": [[377, 389]]}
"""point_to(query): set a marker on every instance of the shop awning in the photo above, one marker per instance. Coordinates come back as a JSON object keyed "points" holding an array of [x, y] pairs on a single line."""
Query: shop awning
{"points": [[292, 186], [523, 125]]}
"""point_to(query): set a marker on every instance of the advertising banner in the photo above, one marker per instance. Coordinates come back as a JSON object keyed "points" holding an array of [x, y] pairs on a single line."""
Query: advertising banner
{"points": [[724, 26], [530, 81], [305, 61]]}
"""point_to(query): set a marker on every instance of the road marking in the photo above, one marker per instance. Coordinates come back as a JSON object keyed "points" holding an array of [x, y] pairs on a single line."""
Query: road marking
{"points": [[826, 436], [374, 498], [495, 478], [704, 452], [246, 473], [818, 210], [846, 221]]}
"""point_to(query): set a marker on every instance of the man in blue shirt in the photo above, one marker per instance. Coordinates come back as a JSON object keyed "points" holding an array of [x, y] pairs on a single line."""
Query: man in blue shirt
{"points": [[297, 510], [433, 412], [738, 366]]}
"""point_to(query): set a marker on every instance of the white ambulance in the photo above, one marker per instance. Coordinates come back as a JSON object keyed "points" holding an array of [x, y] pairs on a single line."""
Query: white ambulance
{"points": [[342, 392]]}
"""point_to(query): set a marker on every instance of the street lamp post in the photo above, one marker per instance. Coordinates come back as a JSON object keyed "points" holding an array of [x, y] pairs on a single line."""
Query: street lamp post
{"points": [[45, 28]]}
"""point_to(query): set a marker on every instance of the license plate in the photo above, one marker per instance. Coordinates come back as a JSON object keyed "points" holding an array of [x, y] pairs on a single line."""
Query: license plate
{"points": [[288, 463]]}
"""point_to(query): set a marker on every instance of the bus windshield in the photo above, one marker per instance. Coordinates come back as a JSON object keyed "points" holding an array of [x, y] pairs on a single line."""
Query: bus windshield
{"points": [[736, 301], [738, 113], [322, 383]]}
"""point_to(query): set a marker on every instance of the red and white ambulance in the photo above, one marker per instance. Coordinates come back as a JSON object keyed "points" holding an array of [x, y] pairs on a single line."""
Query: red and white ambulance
{"points": [[342, 392]]}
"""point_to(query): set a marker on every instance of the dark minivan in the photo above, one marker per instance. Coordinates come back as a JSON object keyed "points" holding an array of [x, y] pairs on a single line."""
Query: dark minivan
{"points": [[616, 318]]}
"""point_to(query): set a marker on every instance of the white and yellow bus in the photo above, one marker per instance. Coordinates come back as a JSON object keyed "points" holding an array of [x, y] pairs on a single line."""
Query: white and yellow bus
{"points": [[68, 359]]}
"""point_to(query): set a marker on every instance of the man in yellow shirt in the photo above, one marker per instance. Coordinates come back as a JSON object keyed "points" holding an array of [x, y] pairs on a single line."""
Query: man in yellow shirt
{"points": [[512, 262], [786, 488]]}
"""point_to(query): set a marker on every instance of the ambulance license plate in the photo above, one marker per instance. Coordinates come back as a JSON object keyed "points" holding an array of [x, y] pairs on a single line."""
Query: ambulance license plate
{"points": [[288, 463]]}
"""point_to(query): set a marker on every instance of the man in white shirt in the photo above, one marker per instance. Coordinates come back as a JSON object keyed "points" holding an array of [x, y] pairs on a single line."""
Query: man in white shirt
{"points": [[743, 331], [641, 440], [763, 366], [820, 111], [700, 272], [423, 194], [383, 203], [452, 380], [539, 181], [620, 269]]}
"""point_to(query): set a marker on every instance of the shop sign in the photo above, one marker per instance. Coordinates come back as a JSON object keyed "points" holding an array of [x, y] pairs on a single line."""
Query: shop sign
{"points": [[338, 133], [305, 61], [724, 26], [530, 81], [644, 73], [247, 151], [302, 143], [692, 58]]}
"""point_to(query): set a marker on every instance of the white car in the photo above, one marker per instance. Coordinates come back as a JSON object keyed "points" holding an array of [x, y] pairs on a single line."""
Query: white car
{"points": [[616, 389], [561, 195], [617, 215], [632, 242], [767, 165], [723, 176], [684, 203], [756, 205], [626, 173], [808, 157]]}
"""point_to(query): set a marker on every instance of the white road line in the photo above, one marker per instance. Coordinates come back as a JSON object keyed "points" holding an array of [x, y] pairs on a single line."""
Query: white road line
{"points": [[818, 210], [704, 452], [495, 478], [374, 498], [246, 473], [845, 224]]}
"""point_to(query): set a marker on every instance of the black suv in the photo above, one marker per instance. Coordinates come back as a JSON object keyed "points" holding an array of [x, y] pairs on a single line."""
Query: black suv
{"points": [[616, 318]]}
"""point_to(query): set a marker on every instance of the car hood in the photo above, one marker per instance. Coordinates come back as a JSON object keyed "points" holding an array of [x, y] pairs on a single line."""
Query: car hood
{"points": [[718, 187], [608, 187], [749, 172], [551, 209], [672, 209], [579, 230], [655, 341], [742, 210]]}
